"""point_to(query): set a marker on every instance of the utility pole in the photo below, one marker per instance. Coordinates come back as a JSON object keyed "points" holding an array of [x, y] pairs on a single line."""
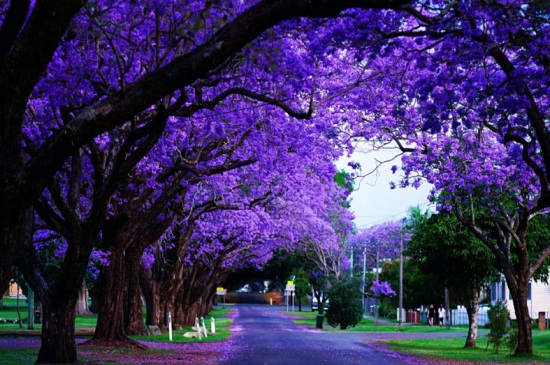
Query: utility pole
{"points": [[447, 313], [376, 295], [400, 313], [364, 277]]}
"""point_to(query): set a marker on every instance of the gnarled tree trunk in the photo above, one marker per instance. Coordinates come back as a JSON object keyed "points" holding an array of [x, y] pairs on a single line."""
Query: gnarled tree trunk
{"points": [[59, 311], [58, 297], [110, 322]]}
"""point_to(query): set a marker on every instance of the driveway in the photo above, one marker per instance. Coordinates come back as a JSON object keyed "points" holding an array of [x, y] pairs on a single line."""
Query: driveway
{"points": [[265, 336]]}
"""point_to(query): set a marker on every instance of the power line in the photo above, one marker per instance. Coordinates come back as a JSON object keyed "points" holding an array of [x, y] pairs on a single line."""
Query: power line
{"points": [[389, 216]]}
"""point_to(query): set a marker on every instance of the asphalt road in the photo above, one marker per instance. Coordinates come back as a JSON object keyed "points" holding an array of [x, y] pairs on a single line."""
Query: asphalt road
{"points": [[264, 336]]}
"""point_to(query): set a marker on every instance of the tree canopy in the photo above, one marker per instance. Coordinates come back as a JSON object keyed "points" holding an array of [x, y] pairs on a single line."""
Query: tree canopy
{"points": [[175, 113]]}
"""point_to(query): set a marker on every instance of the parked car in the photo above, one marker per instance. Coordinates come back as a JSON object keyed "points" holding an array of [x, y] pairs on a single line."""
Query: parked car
{"points": [[315, 304]]}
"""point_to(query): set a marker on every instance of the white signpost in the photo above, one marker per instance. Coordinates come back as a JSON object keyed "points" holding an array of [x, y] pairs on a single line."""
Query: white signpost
{"points": [[220, 292], [289, 292]]}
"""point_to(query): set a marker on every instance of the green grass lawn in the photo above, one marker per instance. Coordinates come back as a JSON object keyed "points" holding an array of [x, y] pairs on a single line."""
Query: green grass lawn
{"points": [[12, 307], [19, 356], [27, 348], [453, 349], [219, 314], [222, 329], [446, 349], [367, 325]]}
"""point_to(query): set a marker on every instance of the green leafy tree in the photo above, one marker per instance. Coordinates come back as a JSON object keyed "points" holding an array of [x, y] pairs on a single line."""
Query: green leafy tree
{"points": [[320, 284], [419, 288], [346, 308], [455, 259], [301, 282]]}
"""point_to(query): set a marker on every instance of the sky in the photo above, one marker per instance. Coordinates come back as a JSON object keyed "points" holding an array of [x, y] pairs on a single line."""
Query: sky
{"points": [[374, 201]]}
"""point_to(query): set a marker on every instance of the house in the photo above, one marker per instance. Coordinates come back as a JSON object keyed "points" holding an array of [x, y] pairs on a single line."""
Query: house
{"points": [[13, 290], [538, 297]]}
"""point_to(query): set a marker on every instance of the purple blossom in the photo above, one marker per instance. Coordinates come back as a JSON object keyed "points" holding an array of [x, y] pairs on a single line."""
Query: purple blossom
{"points": [[379, 288]]}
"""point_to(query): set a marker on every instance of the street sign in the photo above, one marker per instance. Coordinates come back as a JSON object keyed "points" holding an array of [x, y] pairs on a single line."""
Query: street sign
{"points": [[220, 291], [290, 287]]}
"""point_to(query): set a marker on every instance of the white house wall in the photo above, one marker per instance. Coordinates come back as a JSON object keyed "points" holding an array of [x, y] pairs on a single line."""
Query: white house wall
{"points": [[539, 302]]}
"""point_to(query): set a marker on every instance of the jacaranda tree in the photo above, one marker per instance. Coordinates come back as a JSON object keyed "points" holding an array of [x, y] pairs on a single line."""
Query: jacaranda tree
{"points": [[460, 86]]}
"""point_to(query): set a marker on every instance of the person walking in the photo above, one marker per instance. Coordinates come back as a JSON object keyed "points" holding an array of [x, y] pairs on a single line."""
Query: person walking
{"points": [[441, 314], [431, 315]]}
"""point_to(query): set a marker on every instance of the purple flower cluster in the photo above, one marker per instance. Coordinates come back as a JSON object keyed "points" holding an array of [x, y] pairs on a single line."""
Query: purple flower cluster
{"points": [[380, 288]]}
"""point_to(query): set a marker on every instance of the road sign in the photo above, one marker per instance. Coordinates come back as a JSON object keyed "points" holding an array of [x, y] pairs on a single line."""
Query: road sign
{"points": [[290, 287]]}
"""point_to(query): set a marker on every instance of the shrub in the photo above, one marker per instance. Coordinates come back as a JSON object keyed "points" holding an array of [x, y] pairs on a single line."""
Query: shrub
{"points": [[346, 307], [498, 317], [386, 309]]}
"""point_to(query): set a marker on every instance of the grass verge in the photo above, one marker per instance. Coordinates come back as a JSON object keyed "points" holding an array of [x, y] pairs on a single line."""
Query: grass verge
{"points": [[442, 350], [222, 321], [20, 350], [453, 350], [367, 325]]}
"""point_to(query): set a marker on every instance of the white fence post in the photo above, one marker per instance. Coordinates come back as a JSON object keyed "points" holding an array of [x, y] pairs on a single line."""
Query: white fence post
{"points": [[197, 325], [204, 327], [170, 326]]}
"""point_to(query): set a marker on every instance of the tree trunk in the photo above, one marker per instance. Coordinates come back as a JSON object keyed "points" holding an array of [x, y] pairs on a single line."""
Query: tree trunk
{"points": [[58, 297], [82, 301], [179, 307], [110, 321], [148, 287], [58, 338], [190, 313], [58, 327], [133, 313], [209, 303], [59, 310], [195, 293], [471, 338], [168, 288], [166, 299], [525, 334], [162, 301], [94, 295]]}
